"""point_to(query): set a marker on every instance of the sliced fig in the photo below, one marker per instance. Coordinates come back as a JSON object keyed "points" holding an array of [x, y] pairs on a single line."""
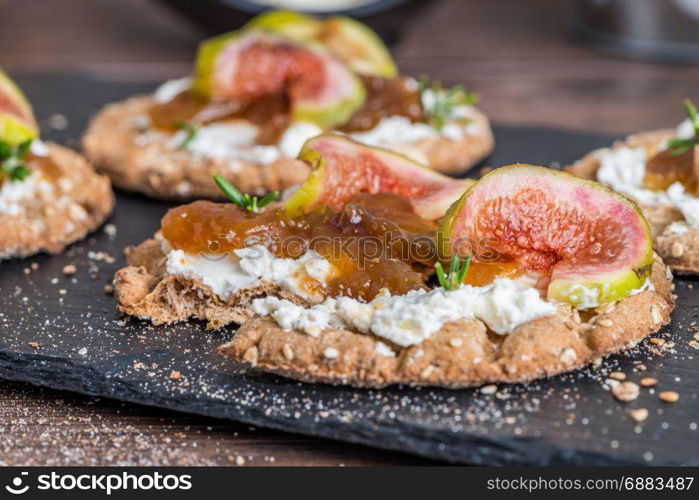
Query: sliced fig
{"points": [[592, 245], [290, 24], [251, 64], [350, 40], [359, 46], [343, 168], [17, 123]]}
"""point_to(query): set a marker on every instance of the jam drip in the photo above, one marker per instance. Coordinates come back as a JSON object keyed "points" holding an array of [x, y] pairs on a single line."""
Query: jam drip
{"points": [[374, 241], [667, 167]]}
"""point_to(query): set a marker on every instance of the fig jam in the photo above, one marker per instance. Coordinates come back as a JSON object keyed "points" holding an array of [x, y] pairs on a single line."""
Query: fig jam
{"points": [[272, 113], [374, 241], [666, 168]]}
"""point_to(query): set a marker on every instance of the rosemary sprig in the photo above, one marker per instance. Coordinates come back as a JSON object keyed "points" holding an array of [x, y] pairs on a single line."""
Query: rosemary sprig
{"points": [[681, 146], [457, 273], [12, 164], [190, 129], [441, 105], [249, 203]]}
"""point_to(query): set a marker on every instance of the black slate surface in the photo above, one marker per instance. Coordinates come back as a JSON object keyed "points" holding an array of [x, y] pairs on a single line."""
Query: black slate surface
{"points": [[84, 346]]}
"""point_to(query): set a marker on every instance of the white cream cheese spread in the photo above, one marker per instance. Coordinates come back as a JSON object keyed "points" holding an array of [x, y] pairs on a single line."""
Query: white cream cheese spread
{"points": [[14, 193], [409, 319], [225, 275]]}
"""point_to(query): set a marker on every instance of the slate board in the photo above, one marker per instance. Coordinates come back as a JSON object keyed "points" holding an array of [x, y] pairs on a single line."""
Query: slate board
{"points": [[84, 346]]}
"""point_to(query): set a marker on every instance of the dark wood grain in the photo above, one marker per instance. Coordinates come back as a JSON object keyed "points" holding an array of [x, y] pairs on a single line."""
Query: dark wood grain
{"points": [[519, 56]]}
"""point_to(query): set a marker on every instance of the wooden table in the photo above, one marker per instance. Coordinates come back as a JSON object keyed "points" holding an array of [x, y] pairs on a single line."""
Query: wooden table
{"points": [[519, 55]]}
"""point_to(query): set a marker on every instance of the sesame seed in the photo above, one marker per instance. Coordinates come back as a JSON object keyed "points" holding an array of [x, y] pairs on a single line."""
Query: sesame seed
{"points": [[669, 396], [288, 352], [239, 460], [605, 322], [109, 289], [649, 382], [251, 355], [656, 314], [427, 372], [331, 353], [456, 342], [618, 375], [677, 249]]}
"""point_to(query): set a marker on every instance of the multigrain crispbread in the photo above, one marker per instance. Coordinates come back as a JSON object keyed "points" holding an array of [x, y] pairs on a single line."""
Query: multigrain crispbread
{"points": [[143, 289], [460, 354], [679, 249], [115, 142], [79, 202]]}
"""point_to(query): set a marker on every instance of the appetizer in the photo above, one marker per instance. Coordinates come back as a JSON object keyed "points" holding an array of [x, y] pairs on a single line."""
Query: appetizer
{"points": [[49, 195], [659, 170], [257, 94], [355, 279], [211, 260]]}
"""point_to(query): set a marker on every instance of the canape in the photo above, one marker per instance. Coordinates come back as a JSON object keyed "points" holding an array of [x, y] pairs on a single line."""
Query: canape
{"points": [[49, 195], [353, 279], [257, 94], [659, 170]]}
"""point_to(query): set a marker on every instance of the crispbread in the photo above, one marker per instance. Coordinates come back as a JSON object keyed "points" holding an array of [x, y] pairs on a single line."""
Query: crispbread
{"points": [[81, 201]]}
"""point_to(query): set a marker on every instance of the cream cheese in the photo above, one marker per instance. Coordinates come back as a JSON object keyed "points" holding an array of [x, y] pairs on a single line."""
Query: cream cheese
{"points": [[13, 194], [233, 140], [409, 319], [248, 267], [170, 89], [623, 169], [295, 136]]}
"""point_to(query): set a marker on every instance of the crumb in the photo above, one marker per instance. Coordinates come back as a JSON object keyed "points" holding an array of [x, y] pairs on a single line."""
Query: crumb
{"points": [[33, 345], [70, 270], [109, 289], [618, 375], [175, 375], [58, 122], [110, 230], [639, 414], [489, 389], [625, 391]]}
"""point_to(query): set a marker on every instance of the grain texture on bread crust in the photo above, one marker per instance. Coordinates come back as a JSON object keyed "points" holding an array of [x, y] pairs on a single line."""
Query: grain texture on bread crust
{"points": [[143, 289], [115, 143], [461, 354], [680, 251], [121, 144], [80, 201]]}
